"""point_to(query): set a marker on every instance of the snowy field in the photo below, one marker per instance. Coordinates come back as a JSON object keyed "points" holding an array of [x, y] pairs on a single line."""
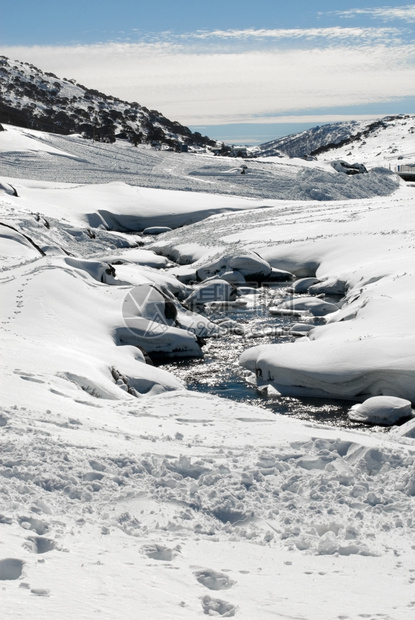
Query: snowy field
{"points": [[50, 157], [122, 494]]}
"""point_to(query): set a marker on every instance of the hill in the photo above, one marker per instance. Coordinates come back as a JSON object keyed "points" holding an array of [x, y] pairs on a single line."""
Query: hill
{"points": [[34, 99], [391, 137]]}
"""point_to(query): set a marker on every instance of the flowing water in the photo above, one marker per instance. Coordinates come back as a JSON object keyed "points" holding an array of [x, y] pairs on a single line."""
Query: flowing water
{"points": [[219, 372]]}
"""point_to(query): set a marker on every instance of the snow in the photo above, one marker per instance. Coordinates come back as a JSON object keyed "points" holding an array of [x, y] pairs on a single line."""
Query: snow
{"points": [[316, 307], [381, 410], [122, 494], [389, 140], [392, 143]]}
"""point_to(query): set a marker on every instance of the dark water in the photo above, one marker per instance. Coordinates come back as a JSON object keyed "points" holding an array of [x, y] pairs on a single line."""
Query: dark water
{"points": [[219, 372]]}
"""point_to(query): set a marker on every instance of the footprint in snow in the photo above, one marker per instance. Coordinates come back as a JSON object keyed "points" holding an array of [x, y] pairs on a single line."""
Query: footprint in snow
{"points": [[28, 376], [30, 523], [214, 580], [10, 568], [159, 552], [39, 544], [40, 591], [214, 606]]}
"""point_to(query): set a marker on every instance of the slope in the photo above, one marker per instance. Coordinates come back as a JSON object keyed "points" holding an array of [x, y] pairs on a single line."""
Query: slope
{"points": [[390, 138], [34, 99]]}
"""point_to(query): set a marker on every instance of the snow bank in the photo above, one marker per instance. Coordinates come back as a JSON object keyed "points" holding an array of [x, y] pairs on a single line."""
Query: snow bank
{"points": [[358, 369], [381, 410], [316, 307], [122, 207], [62, 323]]}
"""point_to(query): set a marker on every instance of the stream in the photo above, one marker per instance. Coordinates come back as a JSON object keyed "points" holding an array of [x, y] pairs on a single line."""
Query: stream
{"points": [[219, 373]]}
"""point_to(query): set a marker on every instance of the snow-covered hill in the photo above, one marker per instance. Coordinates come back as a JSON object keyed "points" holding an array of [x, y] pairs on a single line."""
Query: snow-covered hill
{"points": [[124, 495], [34, 99], [70, 159], [389, 138]]}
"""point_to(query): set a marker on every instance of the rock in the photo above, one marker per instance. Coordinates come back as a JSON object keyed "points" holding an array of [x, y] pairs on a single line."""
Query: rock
{"points": [[385, 410], [300, 329], [233, 277], [330, 286], [212, 268], [150, 318], [251, 265], [212, 290], [302, 285], [279, 275], [346, 168], [186, 276]]}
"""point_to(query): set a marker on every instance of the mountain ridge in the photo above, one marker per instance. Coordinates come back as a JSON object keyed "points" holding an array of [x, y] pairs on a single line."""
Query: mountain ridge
{"points": [[333, 137], [34, 99]]}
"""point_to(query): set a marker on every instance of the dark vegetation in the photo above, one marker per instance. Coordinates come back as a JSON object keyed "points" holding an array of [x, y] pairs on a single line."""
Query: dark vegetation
{"points": [[33, 99]]}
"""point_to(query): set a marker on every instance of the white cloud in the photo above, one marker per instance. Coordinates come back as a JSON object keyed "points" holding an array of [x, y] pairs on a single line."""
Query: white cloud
{"points": [[333, 33], [213, 88], [311, 119], [405, 12]]}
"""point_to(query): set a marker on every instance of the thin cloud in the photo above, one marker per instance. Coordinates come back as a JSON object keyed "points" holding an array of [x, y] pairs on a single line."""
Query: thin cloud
{"points": [[333, 33], [405, 12], [213, 88], [311, 119]]}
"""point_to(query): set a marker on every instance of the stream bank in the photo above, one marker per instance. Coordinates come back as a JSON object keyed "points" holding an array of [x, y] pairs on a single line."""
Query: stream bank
{"points": [[246, 324]]}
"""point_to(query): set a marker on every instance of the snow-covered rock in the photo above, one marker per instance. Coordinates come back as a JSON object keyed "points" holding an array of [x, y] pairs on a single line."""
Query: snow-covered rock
{"points": [[352, 370], [385, 410], [211, 290], [151, 323], [156, 230], [250, 265], [329, 286], [233, 276], [314, 305], [302, 285], [346, 168]]}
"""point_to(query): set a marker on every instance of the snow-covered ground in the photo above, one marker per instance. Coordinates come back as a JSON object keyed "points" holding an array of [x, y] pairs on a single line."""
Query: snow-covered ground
{"points": [[389, 140], [124, 495], [392, 144]]}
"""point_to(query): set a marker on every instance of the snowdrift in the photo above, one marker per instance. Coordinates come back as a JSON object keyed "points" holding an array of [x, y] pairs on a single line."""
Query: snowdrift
{"points": [[359, 369]]}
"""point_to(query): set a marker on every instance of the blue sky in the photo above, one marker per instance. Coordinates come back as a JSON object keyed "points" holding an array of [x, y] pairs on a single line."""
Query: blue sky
{"points": [[243, 71]]}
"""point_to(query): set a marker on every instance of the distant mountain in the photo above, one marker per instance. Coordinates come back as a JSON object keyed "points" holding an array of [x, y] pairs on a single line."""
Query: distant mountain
{"points": [[34, 99], [336, 137]]}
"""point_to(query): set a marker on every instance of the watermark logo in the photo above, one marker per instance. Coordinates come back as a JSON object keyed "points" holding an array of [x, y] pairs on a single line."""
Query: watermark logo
{"points": [[216, 309], [145, 310]]}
